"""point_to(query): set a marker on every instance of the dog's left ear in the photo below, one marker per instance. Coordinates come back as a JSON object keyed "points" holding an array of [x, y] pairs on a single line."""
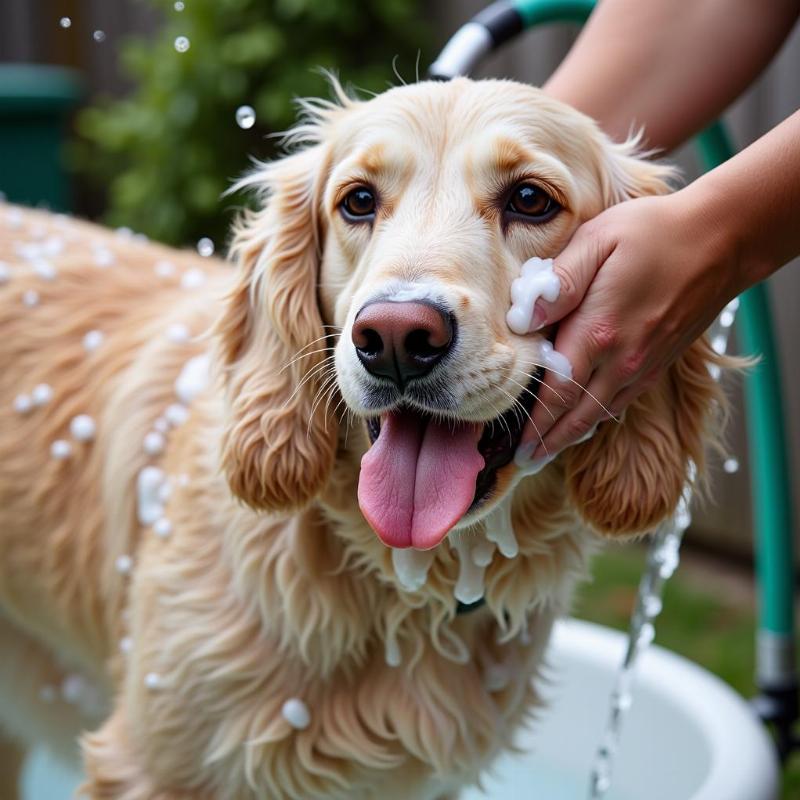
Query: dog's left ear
{"points": [[278, 448], [629, 476], [626, 172]]}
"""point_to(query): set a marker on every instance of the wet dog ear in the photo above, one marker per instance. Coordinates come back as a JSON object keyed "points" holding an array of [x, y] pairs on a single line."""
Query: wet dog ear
{"points": [[278, 447], [629, 476]]}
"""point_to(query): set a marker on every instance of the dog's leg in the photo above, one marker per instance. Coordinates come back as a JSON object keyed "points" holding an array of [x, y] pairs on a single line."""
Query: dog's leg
{"points": [[12, 756]]}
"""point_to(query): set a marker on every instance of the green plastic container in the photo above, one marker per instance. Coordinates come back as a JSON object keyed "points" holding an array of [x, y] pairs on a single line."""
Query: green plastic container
{"points": [[35, 104]]}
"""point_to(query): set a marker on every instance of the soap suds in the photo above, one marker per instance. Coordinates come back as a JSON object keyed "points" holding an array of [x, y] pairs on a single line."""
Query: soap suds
{"points": [[82, 428], [537, 279], [500, 530], [411, 567], [193, 379], [148, 495], [296, 713], [469, 587]]}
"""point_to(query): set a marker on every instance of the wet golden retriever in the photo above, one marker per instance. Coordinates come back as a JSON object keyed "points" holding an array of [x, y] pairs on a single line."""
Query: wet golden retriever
{"points": [[186, 566]]}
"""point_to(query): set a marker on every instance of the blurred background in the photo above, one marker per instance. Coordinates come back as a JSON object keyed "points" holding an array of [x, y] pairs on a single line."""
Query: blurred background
{"points": [[157, 105]]}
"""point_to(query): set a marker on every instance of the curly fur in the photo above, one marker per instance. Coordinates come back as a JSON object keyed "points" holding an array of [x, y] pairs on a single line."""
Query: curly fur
{"points": [[271, 585]]}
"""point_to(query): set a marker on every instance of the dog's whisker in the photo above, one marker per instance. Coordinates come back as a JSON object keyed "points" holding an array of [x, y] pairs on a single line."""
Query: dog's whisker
{"points": [[535, 397], [539, 380], [330, 382], [326, 382], [304, 355], [566, 377], [308, 376]]}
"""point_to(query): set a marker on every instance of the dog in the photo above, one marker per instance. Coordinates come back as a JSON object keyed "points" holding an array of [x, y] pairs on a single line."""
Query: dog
{"points": [[238, 503]]}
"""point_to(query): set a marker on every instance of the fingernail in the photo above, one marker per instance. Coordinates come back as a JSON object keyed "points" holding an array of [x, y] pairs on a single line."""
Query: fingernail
{"points": [[523, 453], [538, 318]]}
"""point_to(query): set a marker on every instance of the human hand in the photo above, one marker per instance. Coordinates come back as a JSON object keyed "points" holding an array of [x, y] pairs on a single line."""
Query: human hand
{"points": [[639, 283]]}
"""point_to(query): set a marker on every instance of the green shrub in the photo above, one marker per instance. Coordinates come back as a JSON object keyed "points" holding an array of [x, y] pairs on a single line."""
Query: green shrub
{"points": [[165, 154]]}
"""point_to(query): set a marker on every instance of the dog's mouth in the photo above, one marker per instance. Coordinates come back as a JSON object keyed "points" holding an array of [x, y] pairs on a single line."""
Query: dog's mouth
{"points": [[424, 473]]}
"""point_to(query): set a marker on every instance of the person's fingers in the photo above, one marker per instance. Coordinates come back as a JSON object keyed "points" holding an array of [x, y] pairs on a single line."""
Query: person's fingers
{"points": [[555, 396], [580, 422], [575, 267]]}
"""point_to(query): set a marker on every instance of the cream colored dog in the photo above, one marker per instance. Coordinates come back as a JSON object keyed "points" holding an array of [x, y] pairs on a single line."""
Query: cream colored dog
{"points": [[186, 568]]}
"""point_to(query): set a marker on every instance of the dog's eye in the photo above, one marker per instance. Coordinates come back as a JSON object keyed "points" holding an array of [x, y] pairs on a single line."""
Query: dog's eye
{"points": [[528, 200], [359, 204]]}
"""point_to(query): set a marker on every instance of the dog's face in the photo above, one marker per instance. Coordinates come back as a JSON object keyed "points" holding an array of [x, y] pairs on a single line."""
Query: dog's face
{"points": [[403, 226]]}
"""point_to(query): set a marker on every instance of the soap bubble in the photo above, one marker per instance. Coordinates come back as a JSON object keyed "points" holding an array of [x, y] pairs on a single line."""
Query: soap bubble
{"points": [[182, 44], [731, 465], [65, 22], [99, 36], [245, 117], [205, 247], [179, 5]]}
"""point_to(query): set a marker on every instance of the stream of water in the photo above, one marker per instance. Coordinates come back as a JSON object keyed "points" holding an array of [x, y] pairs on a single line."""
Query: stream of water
{"points": [[662, 561]]}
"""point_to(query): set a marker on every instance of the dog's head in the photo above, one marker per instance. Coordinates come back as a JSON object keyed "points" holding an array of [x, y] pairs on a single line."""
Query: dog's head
{"points": [[395, 234]]}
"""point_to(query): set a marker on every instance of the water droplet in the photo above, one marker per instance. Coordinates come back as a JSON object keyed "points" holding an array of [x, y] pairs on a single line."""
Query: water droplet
{"points": [[719, 343], [65, 22], [179, 5], [245, 117], [182, 44], [731, 465], [726, 318], [733, 305], [99, 36], [205, 247]]}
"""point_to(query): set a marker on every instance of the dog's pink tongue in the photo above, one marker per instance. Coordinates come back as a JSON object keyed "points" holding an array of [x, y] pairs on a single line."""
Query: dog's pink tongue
{"points": [[418, 479]]}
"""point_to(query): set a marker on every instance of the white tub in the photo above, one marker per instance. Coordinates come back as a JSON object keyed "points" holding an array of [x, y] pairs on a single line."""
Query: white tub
{"points": [[688, 736]]}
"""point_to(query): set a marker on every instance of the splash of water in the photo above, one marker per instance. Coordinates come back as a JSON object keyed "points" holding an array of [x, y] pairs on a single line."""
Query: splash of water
{"points": [[245, 117], [182, 44], [662, 561]]}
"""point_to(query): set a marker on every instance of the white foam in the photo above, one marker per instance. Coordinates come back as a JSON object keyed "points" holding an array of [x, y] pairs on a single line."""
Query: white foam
{"points": [[30, 298], [537, 279], [482, 552], [469, 586], [60, 449], [44, 269], [92, 340], [296, 713], [149, 507], [123, 564], [193, 279], [500, 529], [411, 567], [82, 428], [193, 379], [154, 443], [103, 256], [42, 394], [392, 650], [152, 680], [164, 269], [178, 333], [125, 645], [162, 528], [176, 414], [23, 403]]}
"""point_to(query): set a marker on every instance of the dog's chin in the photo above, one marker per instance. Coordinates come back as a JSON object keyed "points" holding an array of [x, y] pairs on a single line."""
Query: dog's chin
{"points": [[496, 441]]}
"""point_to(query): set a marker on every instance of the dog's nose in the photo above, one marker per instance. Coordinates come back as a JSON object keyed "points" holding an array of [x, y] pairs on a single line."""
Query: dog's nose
{"points": [[401, 341]]}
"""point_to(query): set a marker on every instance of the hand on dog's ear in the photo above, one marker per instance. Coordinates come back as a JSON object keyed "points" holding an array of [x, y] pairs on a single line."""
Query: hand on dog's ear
{"points": [[629, 477], [277, 454]]}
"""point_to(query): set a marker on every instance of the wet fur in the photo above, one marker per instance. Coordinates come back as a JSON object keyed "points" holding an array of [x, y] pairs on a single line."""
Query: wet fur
{"points": [[271, 584]]}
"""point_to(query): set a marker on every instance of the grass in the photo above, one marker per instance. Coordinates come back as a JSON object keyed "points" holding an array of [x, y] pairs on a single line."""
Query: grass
{"points": [[714, 631]]}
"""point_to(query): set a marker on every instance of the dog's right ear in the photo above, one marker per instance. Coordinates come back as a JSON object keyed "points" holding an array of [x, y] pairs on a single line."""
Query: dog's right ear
{"points": [[278, 449]]}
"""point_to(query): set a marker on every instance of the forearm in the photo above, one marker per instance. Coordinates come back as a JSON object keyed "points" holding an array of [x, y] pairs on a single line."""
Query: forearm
{"points": [[752, 205], [670, 67]]}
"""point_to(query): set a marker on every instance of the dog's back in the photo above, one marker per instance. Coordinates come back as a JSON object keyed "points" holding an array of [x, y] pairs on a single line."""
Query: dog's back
{"points": [[94, 328]]}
